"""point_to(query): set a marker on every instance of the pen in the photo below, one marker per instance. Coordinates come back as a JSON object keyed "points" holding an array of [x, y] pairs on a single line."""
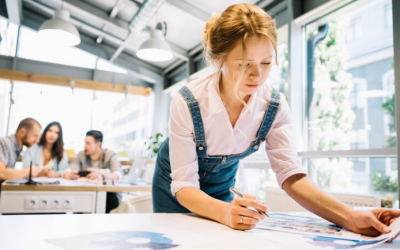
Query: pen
{"points": [[242, 196]]}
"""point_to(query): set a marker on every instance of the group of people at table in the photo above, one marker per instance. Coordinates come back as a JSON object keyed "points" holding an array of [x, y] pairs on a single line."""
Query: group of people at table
{"points": [[46, 157]]}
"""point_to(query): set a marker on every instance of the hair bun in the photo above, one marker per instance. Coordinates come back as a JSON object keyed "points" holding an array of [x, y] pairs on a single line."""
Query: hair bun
{"points": [[210, 25]]}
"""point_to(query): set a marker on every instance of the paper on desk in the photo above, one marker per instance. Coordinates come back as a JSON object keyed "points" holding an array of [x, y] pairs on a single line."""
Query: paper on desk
{"points": [[155, 237], [307, 232]]}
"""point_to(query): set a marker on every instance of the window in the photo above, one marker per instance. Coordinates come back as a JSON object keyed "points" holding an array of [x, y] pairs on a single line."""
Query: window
{"points": [[83, 110], [31, 47], [8, 37], [278, 77], [352, 103], [5, 87], [349, 100], [105, 65], [372, 176], [354, 30], [388, 15]]}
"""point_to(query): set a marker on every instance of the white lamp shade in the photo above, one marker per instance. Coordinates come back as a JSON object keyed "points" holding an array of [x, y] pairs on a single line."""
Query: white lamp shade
{"points": [[155, 49], [59, 30]]}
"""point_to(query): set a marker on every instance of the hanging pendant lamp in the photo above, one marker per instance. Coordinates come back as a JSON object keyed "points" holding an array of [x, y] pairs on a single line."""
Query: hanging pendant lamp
{"points": [[59, 30], [156, 48]]}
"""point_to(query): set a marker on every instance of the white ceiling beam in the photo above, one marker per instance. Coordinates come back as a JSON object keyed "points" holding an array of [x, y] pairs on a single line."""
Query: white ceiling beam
{"points": [[191, 9], [137, 67], [80, 9], [14, 11], [114, 12], [101, 33]]}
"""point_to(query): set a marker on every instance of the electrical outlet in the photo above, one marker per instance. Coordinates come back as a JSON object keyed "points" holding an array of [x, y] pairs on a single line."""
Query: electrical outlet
{"points": [[67, 202], [48, 202], [44, 203], [55, 203], [31, 203]]}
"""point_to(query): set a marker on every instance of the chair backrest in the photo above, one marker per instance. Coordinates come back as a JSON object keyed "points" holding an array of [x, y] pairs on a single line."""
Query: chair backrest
{"points": [[278, 201], [137, 170], [142, 204], [135, 204]]}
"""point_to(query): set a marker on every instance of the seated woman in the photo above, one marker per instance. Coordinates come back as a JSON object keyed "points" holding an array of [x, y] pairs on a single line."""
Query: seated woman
{"points": [[49, 154]]}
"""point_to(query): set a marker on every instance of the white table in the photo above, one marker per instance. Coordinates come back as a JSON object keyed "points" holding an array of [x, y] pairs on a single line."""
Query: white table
{"points": [[69, 196], [30, 231]]}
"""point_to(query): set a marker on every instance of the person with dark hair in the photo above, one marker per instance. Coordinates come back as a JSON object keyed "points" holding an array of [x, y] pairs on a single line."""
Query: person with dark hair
{"points": [[102, 164], [49, 154], [27, 134]]}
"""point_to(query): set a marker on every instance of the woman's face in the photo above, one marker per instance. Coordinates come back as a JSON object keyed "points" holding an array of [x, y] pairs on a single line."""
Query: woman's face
{"points": [[260, 55], [52, 134]]}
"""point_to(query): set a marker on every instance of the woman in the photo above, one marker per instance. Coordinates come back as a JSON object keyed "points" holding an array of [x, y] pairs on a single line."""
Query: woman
{"points": [[49, 154], [220, 119]]}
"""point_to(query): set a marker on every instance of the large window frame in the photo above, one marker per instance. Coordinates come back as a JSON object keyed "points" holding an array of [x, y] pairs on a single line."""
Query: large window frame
{"points": [[296, 23], [297, 33]]}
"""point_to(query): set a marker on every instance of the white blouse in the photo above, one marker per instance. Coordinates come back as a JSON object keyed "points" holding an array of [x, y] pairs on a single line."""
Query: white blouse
{"points": [[222, 138]]}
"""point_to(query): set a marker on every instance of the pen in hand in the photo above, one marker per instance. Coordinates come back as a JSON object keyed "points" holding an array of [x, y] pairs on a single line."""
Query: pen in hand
{"points": [[242, 196]]}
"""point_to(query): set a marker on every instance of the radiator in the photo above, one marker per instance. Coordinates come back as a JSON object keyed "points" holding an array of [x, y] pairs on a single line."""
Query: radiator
{"points": [[278, 201]]}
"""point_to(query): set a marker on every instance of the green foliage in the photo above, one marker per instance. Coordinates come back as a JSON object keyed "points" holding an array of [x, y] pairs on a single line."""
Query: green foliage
{"points": [[383, 183], [284, 85], [154, 144], [388, 106], [331, 117]]}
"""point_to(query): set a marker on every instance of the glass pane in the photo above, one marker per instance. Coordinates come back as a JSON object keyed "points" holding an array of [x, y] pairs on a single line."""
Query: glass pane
{"points": [[367, 176], [8, 37], [351, 99], [31, 47], [278, 77], [5, 87], [121, 118], [105, 65], [253, 178], [127, 127]]}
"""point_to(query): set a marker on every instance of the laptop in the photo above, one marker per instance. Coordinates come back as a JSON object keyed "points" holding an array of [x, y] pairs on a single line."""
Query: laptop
{"points": [[136, 172]]}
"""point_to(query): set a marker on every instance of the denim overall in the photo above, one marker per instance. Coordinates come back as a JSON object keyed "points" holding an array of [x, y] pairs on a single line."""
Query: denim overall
{"points": [[216, 173]]}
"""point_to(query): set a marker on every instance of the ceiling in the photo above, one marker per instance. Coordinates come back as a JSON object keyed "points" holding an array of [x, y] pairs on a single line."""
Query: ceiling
{"points": [[106, 23]]}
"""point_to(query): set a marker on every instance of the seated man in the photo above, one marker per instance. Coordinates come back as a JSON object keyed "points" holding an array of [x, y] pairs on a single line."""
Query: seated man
{"points": [[27, 134], [102, 164]]}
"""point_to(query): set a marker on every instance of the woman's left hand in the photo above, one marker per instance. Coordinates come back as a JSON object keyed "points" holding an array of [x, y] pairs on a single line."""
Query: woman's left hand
{"points": [[373, 222], [52, 174]]}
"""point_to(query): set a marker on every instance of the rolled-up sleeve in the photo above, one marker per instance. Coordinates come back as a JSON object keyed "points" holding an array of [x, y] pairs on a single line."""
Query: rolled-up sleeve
{"points": [[182, 148], [280, 146]]}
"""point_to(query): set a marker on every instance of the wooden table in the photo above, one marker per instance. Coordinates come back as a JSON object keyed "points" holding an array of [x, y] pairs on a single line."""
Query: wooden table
{"points": [[68, 196], [31, 231]]}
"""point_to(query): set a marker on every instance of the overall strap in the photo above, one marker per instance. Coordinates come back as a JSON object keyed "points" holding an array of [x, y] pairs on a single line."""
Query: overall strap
{"points": [[196, 117], [269, 117]]}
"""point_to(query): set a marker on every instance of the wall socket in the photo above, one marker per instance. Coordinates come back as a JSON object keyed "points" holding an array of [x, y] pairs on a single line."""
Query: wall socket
{"points": [[49, 203]]}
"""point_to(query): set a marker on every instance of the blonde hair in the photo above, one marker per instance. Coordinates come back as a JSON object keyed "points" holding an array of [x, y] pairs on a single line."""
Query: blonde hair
{"points": [[237, 23]]}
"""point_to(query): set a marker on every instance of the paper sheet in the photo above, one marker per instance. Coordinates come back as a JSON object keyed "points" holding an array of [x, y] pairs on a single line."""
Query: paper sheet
{"points": [[314, 233], [156, 237]]}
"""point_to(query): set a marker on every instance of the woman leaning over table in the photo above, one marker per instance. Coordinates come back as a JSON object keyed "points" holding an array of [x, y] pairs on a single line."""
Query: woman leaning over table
{"points": [[220, 119]]}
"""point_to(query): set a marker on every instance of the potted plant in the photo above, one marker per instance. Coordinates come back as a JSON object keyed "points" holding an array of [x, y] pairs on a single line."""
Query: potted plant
{"points": [[152, 144]]}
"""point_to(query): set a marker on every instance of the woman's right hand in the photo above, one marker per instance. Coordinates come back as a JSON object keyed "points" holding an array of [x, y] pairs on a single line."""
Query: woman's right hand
{"points": [[239, 216]]}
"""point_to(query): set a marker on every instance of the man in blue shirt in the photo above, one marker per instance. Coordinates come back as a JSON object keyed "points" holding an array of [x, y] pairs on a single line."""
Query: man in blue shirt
{"points": [[27, 134]]}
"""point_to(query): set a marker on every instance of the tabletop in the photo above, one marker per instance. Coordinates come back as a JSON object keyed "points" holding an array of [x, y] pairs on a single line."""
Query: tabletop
{"points": [[178, 231], [76, 185]]}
